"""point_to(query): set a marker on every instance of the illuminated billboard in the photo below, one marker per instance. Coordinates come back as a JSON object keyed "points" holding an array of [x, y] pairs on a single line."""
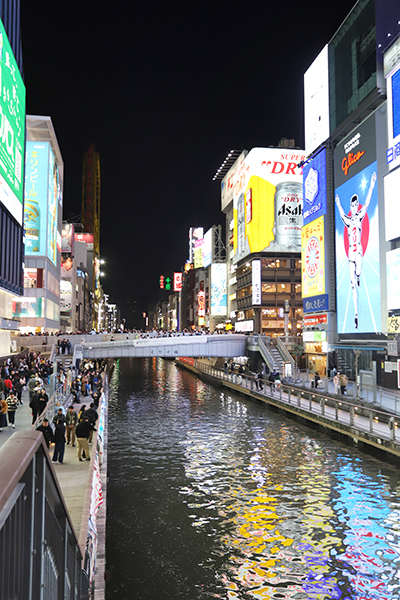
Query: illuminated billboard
{"points": [[256, 282], [177, 282], [65, 296], [313, 270], [41, 201], [219, 306], [393, 116], [268, 202], [198, 254], [314, 188], [67, 237], [357, 232], [391, 185], [316, 102], [12, 132], [207, 248], [393, 279]]}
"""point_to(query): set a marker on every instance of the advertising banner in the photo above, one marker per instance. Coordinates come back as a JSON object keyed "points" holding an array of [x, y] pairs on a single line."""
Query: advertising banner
{"points": [[52, 208], [357, 232], [267, 202], [391, 186], [88, 238], [12, 130], [393, 279], [256, 282], [313, 270], [316, 102], [219, 305], [201, 304], [198, 254], [314, 188], [36, 189], [177, 282], [65, 296], [393, 116], [207, 248], [67, 238]]}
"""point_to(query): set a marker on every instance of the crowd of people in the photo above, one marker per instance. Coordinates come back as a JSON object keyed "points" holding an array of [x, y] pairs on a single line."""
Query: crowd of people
{"points": [[65, 427], [31, 372]]}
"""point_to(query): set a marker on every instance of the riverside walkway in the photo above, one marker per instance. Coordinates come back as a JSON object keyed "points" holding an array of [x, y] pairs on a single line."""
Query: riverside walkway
{"points": [[361, 420]]}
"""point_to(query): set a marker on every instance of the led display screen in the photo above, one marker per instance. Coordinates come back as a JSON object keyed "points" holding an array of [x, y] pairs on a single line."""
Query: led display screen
{"points": [[357, 253], [41, 201], [393, 279], [218, 290], [314, 188], [316, 102], [12, 130], [207, 248], [391, 185]]}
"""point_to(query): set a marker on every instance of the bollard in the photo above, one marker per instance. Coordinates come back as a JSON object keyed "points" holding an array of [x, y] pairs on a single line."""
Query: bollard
{"points": [[351, 415]]}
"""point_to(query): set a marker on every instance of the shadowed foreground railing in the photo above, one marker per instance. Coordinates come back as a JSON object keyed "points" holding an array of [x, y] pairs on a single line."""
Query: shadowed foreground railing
{"points": [[39, 550]]}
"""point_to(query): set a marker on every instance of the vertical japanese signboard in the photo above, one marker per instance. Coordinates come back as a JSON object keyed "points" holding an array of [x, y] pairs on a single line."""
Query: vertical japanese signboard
{"points": [[41, 201], [219, 306], [12, 130]]}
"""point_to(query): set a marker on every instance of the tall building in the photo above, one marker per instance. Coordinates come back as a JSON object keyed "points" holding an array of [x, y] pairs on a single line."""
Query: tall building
{"points": [[91, 223], [39, 310], [350, 236]]}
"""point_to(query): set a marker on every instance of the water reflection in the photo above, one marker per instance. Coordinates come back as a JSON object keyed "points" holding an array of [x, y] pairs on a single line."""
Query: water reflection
{"points": [[216, 496]]}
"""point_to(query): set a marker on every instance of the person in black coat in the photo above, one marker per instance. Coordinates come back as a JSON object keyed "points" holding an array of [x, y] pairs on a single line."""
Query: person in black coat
{"points": [[34, 405], [47, 431], [83, 430], [59, 440], [43, 400], [92, 415]]}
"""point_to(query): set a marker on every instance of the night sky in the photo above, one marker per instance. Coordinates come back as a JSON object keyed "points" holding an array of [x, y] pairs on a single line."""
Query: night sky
{"points": [[165, 90]]}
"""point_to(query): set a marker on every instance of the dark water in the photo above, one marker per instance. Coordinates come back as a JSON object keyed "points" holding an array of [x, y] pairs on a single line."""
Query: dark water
{"points": [[211, 495]]}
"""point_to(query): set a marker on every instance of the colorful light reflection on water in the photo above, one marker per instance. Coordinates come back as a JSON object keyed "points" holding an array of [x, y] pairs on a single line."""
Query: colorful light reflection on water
{"points": [[251, 505]]}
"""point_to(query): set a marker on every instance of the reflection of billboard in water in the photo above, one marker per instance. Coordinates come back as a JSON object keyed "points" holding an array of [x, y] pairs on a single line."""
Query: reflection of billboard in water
{"points": [[357, 253], [218, 290]]}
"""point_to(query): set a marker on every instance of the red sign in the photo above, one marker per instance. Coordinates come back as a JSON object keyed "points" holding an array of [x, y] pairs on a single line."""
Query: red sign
{"points": [[189, 361], [312, 320], [201, 304], [177, 282]]}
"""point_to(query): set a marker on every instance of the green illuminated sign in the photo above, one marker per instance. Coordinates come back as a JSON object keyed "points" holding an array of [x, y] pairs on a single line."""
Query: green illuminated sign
{"points": [[12, 130]]}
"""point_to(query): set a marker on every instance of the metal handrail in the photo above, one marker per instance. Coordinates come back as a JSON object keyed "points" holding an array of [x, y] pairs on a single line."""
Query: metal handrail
{"points": [[313, 397], [286, 355]]}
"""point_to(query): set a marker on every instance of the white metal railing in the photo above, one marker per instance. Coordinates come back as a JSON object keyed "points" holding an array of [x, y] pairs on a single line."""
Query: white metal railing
{"points": [[365, 419]]}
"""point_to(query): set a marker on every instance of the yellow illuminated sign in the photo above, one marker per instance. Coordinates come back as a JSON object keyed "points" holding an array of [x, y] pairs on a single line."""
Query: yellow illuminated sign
{"points": [[313, 259]]}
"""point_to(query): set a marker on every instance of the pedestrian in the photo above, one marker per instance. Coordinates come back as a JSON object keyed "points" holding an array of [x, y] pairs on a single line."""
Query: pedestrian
{"points": [[92, 415], [2, 389], [59, 416], [12, 405], [3, 414], [47, 431], [59, 441], [8, 385], [34, 404], [343, 383], [271, 380], [260, 379], [43, 400], [336, 381], [316, 379], [71, 421], [82, 435], [19, 383], [82, 412]]}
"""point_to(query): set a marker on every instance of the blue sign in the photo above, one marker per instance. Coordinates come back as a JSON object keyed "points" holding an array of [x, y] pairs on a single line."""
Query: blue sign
{"points": [[316, 303], [314, 188]]}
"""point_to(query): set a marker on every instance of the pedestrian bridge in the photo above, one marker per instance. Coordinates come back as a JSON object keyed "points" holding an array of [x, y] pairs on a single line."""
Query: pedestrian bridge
{"points": [[226, 345]]}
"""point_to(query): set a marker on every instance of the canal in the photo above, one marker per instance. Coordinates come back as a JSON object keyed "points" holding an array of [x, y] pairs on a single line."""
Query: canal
{"points": [[212, 495]]}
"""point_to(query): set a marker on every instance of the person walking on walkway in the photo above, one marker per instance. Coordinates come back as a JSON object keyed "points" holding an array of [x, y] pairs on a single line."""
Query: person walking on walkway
{"points": [[336, 381], [47, 431], [34, 404], [82, 436], [3, 414], [343, 383], [271, 380], [59, 440], [71, 420], [12, 405], [43, 400], [92, 415]]}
